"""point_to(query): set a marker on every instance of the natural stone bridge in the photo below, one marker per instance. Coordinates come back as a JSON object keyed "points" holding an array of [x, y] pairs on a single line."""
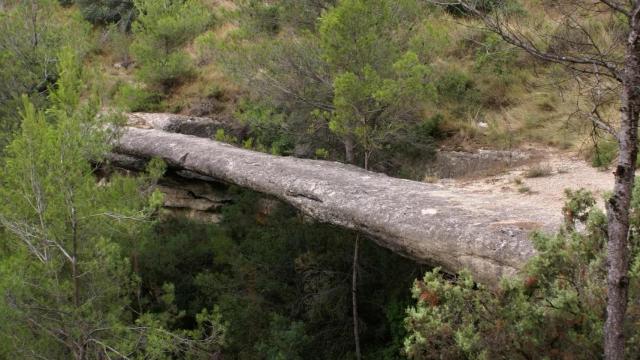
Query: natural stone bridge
{"points": [[426, 222]]}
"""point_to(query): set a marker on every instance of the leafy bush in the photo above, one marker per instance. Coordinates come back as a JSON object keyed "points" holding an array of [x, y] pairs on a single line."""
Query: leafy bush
{"points": [[260, 17], [69, 247], [430, 40], [282, 277], [322, 153], [135, 98], [167, 71], [161, 30], [554, 310], [28, 67], [604, 152], [495, 56], [267, 126], [456, 86], [303, 13], [205, 45], [119, 43], [102, 12], [222, 136]]}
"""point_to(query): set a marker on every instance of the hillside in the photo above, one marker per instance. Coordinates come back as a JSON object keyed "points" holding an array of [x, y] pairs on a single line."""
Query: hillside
{"points": [[367, 179]]}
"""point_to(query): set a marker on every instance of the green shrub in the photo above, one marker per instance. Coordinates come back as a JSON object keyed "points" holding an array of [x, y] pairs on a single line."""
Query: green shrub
{"points": [[161, 30], [303, 13], [260, 17], [27, 68], [168, 71], [205, 45], [495, 56], [119, 44], [222, 136], [456, 86], [322, 153], [102, 12], [554, 310], [603, 153], [267, 126], [430, 40], [135, 98]]}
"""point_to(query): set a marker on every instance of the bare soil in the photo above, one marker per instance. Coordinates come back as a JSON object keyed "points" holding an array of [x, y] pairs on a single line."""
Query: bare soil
{"points": [[555, 170]]}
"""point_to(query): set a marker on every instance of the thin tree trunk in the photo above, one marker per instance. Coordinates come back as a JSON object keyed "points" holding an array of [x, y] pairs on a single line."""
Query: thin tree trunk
{"points": [[354, 297], [74, 262], [618, 205], [348, 149], [367, 156]]}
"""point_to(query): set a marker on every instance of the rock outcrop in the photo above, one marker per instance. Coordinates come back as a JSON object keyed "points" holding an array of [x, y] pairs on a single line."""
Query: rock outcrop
{"points": [[426, 222], [455, 164]]}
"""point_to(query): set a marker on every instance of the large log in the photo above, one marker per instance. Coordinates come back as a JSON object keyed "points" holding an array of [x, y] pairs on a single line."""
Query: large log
{"points": [[426, 222]]}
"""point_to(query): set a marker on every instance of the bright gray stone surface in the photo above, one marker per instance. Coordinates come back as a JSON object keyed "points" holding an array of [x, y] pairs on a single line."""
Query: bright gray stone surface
{"points": [[426, 222]]}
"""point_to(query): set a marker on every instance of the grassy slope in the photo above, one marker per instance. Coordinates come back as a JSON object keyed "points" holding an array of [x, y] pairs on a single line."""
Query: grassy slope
{"points": [[524, 104]]}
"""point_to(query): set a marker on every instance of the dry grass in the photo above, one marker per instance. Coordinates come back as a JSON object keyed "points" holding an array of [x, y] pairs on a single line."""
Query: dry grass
{"points": [[524, 190], [539, 170]]}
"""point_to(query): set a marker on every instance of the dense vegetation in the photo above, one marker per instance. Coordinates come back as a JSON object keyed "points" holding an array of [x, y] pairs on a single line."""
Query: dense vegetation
{"points": [[92, 268], [554, 311]]}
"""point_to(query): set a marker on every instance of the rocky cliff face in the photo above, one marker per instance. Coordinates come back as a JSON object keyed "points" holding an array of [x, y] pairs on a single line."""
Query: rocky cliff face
{"points": [[455, 164], [194, 198]]}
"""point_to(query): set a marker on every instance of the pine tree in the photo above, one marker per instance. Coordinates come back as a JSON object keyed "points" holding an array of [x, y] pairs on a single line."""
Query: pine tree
{"points": [[66, 283]]}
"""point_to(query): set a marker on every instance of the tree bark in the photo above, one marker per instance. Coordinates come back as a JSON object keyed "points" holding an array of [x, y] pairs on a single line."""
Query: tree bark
{"points": [[354, 297], [348, 150], [618, 205], [75, 273]]}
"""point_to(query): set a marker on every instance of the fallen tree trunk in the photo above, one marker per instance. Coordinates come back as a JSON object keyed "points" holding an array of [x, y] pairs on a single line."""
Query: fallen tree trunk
{"points": [[425, 222]]}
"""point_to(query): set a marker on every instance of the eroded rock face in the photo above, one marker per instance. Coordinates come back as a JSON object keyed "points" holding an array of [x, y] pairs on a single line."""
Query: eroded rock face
{"points": [[194, 198], [426, 222], [455, 164], [181, 124]]}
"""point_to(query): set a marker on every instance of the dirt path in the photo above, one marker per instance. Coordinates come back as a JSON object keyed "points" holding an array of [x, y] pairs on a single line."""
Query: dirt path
{"points": [[554, 170]]}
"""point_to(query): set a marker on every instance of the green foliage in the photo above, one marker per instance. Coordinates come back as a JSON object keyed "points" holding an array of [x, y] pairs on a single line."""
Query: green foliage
{"points": [[351, 84], [605, 150], [267, 126], [356, 34], [53, 227], [554, 310], [206, 47], [161, 30], [429, 40], [375, 88], [103, 12], [495, 56], [455, 85], [322, 153], [286, 340], [137, 98], [303, 14], [32, 33], [280, 283], [66, 282], [260, 17], [221, 135]]}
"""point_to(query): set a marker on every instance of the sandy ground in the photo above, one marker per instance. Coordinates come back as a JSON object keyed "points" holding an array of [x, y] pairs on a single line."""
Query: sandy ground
{"points": [[562, 170]]}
